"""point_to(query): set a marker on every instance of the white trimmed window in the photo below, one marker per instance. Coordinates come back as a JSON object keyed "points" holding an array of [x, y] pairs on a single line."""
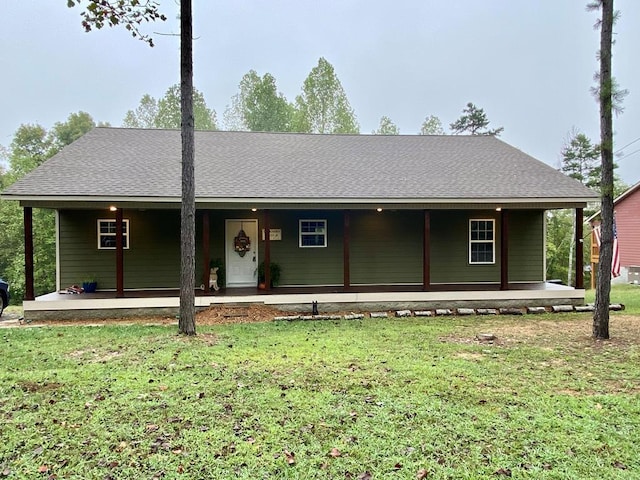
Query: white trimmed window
{"points": [[107, 234], [482, 244], [313, 233]]}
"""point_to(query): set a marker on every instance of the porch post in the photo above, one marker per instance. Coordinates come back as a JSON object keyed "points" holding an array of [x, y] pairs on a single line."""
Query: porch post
{"points": [[504, 250], [28, 254], [206, 238], [119, 256], [346, 240], [426, 252], [267, 251], [579, 249]]}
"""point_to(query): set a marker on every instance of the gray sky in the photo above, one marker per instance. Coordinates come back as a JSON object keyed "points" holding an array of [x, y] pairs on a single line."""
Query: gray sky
{"points": [[528, 63]]}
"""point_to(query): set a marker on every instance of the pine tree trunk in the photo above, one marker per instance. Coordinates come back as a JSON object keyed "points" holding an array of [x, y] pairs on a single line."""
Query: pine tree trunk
{"points": [[187, 322], [603, 287]]}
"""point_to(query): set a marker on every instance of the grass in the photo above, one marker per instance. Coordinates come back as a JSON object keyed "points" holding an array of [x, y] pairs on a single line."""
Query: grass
{"points": [[397, 398]]}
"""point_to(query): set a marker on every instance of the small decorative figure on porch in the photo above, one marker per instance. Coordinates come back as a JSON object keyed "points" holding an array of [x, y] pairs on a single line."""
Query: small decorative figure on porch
{"points": [[213, 279]]}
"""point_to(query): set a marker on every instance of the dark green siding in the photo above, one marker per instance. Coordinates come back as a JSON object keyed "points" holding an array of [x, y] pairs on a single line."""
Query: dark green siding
{"points": [[152, 261], [385, 247]]}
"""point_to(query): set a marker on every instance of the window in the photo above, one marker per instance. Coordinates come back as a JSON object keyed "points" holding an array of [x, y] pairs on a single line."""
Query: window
{"points": [[107, 234], [481, 241], [313, 233]]}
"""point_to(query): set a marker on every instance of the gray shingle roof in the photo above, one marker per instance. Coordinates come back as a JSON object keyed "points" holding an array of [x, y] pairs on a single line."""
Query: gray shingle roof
{"points": [[115, 162]]}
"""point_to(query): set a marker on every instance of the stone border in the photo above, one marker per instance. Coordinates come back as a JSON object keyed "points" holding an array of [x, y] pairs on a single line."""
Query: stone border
{"points": [[439, 312]]}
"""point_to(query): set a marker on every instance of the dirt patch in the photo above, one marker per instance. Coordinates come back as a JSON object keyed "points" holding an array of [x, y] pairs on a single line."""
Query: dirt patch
{"points": [[553, 333]]}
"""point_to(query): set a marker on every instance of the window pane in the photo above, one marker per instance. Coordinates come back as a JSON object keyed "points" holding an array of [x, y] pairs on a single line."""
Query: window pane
{"points": [[107, 241], [481, 253], [313, 240]]}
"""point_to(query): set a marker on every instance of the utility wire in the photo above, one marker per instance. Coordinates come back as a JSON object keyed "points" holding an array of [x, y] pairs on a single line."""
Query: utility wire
{"points": [[622, 148]]}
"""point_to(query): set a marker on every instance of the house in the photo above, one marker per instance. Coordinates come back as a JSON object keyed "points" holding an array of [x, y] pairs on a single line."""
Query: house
{"points": [[626, 208], [350, 219]]}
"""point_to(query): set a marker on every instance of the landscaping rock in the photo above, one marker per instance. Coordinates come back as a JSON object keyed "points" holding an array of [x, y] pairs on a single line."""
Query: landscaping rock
{"points": [[616, 306], [423, 313], [378, 315], [354, 316], [443, 311], [487, 311], [466, 311], [585, 308], [562, 308], [536, 310], [486, 337], [403, 313], [288, 318]]}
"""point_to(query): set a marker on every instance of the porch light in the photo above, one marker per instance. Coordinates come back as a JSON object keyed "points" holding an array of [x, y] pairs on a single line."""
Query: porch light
{"points": [[378, 209], [113, 208], [499, 209], [254, 209]]}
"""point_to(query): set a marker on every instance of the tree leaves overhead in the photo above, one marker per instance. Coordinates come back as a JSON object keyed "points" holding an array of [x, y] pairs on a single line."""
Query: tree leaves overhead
{"points": [[130, 13], [323, 107], [473, 122]]}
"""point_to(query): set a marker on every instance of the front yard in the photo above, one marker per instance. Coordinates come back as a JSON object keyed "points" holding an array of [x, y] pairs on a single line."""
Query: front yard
{"points": [[392, 398]]}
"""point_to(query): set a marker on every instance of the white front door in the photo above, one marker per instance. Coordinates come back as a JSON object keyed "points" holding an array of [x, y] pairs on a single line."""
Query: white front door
{"points": [[241, 266]]}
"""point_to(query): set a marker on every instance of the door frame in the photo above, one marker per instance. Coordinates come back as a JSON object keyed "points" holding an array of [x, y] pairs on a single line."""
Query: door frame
{"points": [[229, 251]]}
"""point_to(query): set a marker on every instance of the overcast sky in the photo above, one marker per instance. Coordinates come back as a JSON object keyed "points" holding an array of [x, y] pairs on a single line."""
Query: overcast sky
{"points": [[528, 63]]}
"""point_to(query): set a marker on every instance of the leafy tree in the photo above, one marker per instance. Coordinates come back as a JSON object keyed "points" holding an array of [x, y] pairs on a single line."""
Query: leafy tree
{"points": [[387, 127], [432, 126], [31, 146], [259, 107], [168, 115], [323, 107], [581, 159], [473, 122], [144, 116], [130, 13]]}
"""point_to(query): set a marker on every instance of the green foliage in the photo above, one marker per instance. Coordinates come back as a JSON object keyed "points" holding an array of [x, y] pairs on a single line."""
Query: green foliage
{"points": [[387, 127], [32, 145], [165, 113], [581, 159], [432, 126], [259, 107], [169, 115], [473, 122], [397, 398], [144, 116], [130, 13], [323, 107], [274, 273]]}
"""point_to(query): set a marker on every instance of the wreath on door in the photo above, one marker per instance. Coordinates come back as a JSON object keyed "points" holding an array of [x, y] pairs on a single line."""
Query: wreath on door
{"points": [[241, 242]]}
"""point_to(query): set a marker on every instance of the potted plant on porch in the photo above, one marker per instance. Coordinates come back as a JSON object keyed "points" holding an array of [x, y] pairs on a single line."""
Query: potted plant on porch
{"points": [[89, 284], [274, 275]]}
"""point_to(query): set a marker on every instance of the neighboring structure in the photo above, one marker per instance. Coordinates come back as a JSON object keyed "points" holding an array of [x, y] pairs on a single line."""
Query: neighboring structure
{"points": [[337, 213], [627, 214]]}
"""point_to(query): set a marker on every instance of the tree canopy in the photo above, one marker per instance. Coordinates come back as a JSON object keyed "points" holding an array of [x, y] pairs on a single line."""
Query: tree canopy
{"points": [[258, 106], [165, 113], [473, 121], [323, 107], [387, 127], [432, 126]]}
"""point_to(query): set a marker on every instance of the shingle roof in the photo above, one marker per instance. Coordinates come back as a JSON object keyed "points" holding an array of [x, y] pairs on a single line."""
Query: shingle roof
{"points": [[116, 162]]}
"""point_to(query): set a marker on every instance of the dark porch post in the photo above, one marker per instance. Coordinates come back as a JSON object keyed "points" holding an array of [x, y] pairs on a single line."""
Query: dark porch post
{"points": [[267, 251], [426, 252], [346, 240], [119, 256], [504, 250], [579, 249], [206, 238], [28, 254]]}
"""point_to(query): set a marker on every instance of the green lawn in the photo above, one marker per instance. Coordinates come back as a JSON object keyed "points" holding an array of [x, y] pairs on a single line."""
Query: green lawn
{"points": [[396, 398]]}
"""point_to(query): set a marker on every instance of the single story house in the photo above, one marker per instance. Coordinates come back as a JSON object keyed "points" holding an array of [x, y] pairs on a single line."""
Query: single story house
{"points": [[350, 220], [626, 208]]}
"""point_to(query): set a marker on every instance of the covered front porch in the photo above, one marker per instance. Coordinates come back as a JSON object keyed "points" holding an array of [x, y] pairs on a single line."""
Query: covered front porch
{"points": [[106, 304]]}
